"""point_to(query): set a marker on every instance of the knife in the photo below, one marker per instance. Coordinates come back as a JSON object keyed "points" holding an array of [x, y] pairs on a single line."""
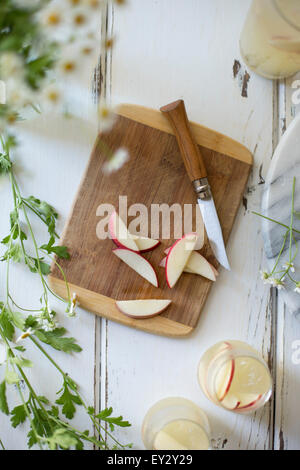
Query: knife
{"points": [[194, 164]]}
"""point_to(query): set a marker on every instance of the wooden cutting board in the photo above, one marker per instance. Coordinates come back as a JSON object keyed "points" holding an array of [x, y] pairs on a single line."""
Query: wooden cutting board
{"points": [[155, 174]]}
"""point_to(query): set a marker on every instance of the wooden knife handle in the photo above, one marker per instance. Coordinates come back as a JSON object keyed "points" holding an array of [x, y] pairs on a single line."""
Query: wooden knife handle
{"points": [[189, 150]]}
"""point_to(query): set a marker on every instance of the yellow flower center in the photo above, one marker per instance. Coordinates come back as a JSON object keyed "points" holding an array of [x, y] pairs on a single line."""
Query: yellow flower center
{"points": [[11, 118], [108, 44], [79, 19], [87, 50], [94, 3], [69, 66], [53, 19], [104, 112], [53, 96]]}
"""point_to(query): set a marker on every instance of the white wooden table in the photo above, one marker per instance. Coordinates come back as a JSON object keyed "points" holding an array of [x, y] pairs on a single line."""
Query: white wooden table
{"points": [[166, 50]]}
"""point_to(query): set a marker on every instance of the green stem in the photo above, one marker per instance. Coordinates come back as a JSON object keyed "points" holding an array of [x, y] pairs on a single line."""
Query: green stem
{"points": [[275, 221], [2, 445]]}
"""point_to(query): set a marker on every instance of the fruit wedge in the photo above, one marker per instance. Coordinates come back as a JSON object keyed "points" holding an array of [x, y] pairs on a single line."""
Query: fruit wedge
{"points": [[146, 244], [137, 263], [124, 239], [178, 256], [142, 308], [224, 379], [119, 233], [197, 264]]}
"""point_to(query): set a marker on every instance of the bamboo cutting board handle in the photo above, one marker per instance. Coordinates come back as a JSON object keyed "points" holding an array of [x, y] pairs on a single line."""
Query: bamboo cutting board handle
{"points": [[193, 161]]}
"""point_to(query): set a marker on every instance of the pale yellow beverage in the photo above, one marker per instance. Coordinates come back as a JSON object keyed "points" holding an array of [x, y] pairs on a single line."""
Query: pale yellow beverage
{"points": [[270, 39], [176, 423], [234, 376]]}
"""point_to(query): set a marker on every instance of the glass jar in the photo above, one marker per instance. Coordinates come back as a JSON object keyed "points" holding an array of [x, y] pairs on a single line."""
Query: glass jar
{"points": [[176, 423], [270, 40], [234, 376]]}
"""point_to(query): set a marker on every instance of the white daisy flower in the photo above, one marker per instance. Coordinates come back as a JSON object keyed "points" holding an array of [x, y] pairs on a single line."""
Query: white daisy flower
{"points": [[279, 283], [265, 276], [25, 335], [297, 288], [74, 302], [119, 158], [10, 65], [289, 266], [107, 117]]}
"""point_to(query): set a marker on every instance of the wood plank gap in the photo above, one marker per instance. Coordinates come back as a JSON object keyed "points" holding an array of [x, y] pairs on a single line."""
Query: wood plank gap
{"points": [[279, 126], [101, 78]]}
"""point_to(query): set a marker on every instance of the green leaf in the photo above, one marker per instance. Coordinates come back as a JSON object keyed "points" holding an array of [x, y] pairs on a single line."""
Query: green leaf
{"points": [[5, 163], [60, 251], [3, 400], [18, 416], [105, 415], [30, 322], [55, 339], [14, 253], [62, 438], [45, 211], [20, 348], [11, 377], [33, 265], [6, 324], [67, 400], [22, 362], [18, 320]]}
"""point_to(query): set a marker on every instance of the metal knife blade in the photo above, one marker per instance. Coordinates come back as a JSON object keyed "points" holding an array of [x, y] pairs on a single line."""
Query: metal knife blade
{"points": [[213, 230], [195, 167]]}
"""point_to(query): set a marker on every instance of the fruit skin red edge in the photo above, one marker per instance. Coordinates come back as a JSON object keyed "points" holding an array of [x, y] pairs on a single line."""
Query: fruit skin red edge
{"points": [[118, 244], [170, 251], [245, 407], [139, 317], [137, 253], [230, 380]]}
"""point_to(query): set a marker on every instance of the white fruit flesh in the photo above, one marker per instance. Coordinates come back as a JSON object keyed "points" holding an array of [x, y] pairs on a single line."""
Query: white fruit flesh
{"points": [[146, 244], [181, 435], [119, 233], [178, 257], [224, 379], [146, 308], [197, 264], [243, 387], [138, 264]]}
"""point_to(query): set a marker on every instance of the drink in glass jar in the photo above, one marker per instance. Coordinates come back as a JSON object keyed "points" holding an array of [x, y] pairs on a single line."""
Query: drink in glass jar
{"points": [[270, 40], [176, 423], [234, 376]]}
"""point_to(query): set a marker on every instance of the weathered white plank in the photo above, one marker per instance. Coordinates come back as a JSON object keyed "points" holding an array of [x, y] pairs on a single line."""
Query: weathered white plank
{"points": [[287, 427], [167, 50], [51, 158]]}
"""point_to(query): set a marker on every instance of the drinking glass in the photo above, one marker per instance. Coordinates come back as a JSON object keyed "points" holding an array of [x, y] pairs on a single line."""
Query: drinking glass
{"points": [[234, 376], [176, 423], [270, 39]]}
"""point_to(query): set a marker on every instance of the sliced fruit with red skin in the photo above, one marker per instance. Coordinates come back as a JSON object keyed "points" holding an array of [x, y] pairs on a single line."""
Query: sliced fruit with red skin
{"points": [[230, 402], [207, 361], [146, 308], [224, 379], [124, 239], [178, 257], [146, 244], [197, 264], [137, 263], [119, 233], [248, 401]]}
